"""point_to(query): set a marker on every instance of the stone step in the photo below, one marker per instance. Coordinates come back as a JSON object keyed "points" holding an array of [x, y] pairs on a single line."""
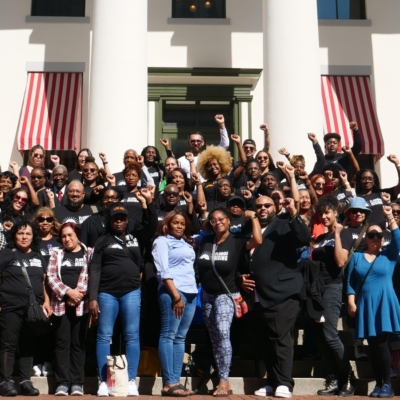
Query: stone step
{"points": [[240, 385]]}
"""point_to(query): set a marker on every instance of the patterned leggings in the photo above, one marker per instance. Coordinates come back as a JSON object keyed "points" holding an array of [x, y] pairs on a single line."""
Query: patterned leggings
{"points": [[218, 313]]}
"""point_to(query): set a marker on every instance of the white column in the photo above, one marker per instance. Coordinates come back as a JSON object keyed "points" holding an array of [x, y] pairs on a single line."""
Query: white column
{"points": [[244, 114], [151, 125], [118, 82], [292, 90]]}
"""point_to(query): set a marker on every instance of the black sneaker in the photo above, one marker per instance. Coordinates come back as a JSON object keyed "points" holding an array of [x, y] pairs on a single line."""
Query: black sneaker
{"points": [[7, 389], [331, 387], [27, 389], [348, 387]]}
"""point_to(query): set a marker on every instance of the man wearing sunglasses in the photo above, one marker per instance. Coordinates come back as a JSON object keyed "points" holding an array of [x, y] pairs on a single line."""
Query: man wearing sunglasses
{"points": [[277, 284], [196, 142]]}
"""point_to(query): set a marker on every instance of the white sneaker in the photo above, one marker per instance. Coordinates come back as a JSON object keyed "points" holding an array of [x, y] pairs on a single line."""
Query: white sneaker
{"points": [[37, 370], [265, 391], [103, 390], [359, 350], [47, 369], [132, 388], [283, 391]]}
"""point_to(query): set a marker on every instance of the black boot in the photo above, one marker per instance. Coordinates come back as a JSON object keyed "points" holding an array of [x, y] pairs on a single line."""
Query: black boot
{"points": [[27, 389], [7, 389], [331, 387], [348, 387]]}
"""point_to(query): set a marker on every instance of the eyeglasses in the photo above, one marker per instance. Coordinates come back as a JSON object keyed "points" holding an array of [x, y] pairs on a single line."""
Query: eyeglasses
{"points": [[374, 234], [111, 198], [396, 212], [174, 194], [357, 210], [195, 141], [215, 221], [318, 184], [262, 158], [131, 176], [86, 170], [367, 179], [22, 200], [37, 177], [266, 205], [36, 155], [45, 219]]}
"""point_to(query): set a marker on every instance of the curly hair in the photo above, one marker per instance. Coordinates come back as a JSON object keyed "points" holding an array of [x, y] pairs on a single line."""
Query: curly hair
{"points": [[47, 210], [43, 170], [32, 151], [327, 202], [293, 160], [133, 166], [163, 229], [7, 209], [120, 192], [157, 159], [221, 209], [36, 240], [219, 154], [9, 175]]}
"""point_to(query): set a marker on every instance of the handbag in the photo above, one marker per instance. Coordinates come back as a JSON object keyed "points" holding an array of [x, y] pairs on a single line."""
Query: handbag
{"points": [[149, 363], [117, 376], [239, 305], [356, 244], [35, 317]]}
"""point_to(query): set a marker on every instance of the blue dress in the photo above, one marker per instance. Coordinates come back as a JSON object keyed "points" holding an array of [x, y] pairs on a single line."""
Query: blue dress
{"points": [[378, 308]]}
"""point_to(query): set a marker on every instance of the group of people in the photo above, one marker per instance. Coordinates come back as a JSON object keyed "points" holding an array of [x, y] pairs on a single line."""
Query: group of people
{"points": [[262, 236]]}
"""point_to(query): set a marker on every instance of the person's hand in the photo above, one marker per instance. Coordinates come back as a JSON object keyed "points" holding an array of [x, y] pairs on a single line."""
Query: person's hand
{"points": [[103, 157], [385, 197], [338, 228], [75, 295], [94, 309], [250, 186], [351, 310], [47, 309], [264, 127], [97, 189], [303, 176], [165, 143], [195, 179], [55, 160], [281, 165], [188, 197], [353, 125], [189, 156], [387, 211], [7, 225], [111, 180], [283, 151], [140, 160], [141, 198], [14, 165], [202, 206], [247, 284], [235, 138], [178, 308], [347, 149], [151, 189], [24, 180], [248, 214], [328, 176], [49, 194], [312, 137], [1, 196], [219, 119], [343, 176], [289, 205], [393, 159], [247, 194], [289, 169]]}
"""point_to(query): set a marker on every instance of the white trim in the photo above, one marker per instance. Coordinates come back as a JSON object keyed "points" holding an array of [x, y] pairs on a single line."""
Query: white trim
{"points": [[46, 66], [69, 20], [344, 22], [346, 70], [199, 21]]}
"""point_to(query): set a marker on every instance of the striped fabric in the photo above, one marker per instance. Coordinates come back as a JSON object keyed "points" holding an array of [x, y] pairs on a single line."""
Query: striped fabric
{"points": [[51, 112], [348, 98]]}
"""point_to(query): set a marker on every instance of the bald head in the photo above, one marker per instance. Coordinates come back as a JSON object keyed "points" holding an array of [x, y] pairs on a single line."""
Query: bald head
{"points": [[60, 176], [130, 156], [75, 195]]}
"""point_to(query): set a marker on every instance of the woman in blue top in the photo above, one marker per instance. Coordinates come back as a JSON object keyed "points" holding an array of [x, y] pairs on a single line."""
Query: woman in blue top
{"points": [[174, 257], [376, 308]]}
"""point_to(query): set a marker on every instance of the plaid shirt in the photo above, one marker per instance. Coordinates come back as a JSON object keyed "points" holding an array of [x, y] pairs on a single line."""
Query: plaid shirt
{"points": [[59, 289]]}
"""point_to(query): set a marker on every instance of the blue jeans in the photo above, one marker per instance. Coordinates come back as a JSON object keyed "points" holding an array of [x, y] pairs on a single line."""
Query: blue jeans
{"points": [[128, 305], [171, 346]]}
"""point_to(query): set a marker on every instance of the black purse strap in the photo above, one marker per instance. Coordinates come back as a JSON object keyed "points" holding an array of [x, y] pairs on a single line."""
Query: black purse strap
{"points": [[356, 244], [31, 295]]}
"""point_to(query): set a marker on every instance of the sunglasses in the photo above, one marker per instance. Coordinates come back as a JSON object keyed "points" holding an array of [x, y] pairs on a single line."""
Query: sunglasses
{"points": [[174, 194], [357, 210], [266, 205], [396, 212], [22, 200], [262, 158], [317, 184], [86, 170], [45, 219], [195, 141], [374, 234], [248, 148], [36, 155], [37, 177]]}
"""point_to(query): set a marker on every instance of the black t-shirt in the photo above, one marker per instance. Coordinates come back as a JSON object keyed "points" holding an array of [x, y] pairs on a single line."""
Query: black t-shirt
{"points": [[241, 226], [135, 210], [71, 267], [90, 197], [210, 187], [229, 257], [155, 174], [349, 236], [64, 214], [75, 176], [46, 246], [13, 286], [375, 203], [111, 269]]}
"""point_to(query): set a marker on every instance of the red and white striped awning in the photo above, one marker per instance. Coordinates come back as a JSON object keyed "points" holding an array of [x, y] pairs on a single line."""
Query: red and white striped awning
{"points": [[52, 111], [348, 98]]}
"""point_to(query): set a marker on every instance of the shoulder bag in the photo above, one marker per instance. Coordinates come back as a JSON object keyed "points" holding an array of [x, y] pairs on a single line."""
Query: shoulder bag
{"points": [[239, 305], [35, 317], [356, 244]]}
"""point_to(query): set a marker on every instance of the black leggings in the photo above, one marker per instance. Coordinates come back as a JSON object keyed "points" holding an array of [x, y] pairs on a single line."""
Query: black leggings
{"points": [[380, 357]]}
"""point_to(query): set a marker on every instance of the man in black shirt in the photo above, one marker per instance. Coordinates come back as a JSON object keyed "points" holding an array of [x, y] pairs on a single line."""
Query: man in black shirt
{"points": [[277, 284], [74, 211]]}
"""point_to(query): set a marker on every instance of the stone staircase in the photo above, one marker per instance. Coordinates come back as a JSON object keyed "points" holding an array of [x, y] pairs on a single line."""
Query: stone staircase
{"points": [[247, 373]]}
